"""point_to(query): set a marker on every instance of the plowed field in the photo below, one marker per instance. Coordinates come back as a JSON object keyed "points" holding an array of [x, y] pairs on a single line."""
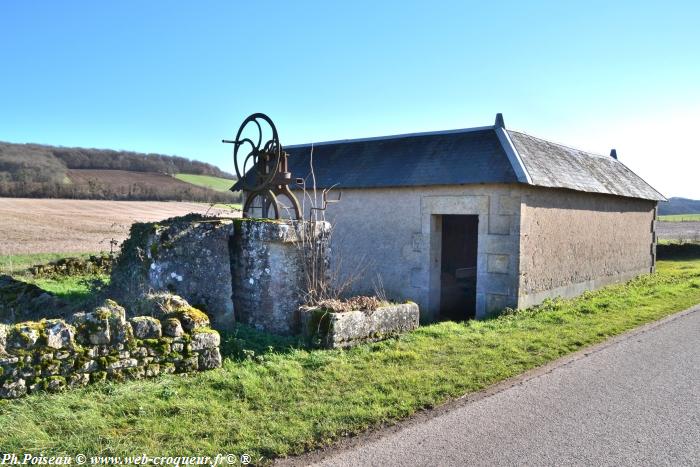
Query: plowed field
{"points": [[71, 226]]}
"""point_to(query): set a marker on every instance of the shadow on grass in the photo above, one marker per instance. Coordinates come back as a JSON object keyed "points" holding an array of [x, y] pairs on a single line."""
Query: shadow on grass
{"points": [[678, 251], [245, 342], [77, 292]]}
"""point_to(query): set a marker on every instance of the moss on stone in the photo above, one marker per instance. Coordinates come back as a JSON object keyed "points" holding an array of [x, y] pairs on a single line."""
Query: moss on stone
{"points": [[54, 383], [98, 376], [161, 346]]}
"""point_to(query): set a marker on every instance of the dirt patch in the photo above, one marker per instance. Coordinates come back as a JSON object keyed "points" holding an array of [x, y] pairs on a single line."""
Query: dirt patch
{"points": [[74, 226]]}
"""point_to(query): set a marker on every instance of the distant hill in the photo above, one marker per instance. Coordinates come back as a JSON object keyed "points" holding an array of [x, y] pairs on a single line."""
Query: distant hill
{"points": [[215, 183], [129, 185], [679, 206], [40, 171]]}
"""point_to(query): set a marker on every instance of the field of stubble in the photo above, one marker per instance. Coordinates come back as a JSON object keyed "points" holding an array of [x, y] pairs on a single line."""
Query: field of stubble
{"points": [[72, 226]]}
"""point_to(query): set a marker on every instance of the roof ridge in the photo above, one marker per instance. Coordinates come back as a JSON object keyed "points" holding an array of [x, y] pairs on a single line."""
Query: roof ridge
{"points": [[563, 145], [397, 136]]}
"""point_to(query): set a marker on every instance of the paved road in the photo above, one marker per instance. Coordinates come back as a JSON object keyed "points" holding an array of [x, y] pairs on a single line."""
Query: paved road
{"points": [[635, 402]]}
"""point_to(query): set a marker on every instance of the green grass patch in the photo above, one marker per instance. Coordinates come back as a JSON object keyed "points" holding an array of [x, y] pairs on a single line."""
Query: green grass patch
{"points": [[215, 183], [74, 289], [274, 398], [680, 218], [18, 264]]}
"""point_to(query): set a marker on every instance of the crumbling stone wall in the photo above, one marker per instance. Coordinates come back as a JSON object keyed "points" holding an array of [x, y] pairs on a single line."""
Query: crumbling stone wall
{"points": [[103, 345], [253, 266], [187, 256]]}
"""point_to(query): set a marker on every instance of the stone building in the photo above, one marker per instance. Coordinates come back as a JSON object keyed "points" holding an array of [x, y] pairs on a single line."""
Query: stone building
{"points": [[468, 222]]}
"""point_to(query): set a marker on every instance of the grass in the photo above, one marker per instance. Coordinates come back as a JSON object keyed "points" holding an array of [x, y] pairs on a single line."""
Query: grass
{"points": [[18, 264], [680, 218], [215, 183], [273, 398], [75, 289]]}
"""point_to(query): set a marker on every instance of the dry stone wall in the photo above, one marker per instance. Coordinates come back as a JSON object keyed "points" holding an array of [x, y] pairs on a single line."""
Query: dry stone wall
{"points": [[54, 354]]}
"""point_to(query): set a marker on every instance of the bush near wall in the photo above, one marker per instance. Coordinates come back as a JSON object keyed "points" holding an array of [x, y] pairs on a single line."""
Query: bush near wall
{"points": [[94, 264], [101, 345]]}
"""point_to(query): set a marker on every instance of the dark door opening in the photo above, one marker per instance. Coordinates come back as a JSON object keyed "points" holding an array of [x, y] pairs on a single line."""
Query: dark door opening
{"points": [[458, 267]]}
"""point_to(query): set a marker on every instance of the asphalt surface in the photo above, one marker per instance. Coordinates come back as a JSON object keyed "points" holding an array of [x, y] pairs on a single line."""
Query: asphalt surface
{"points": [[635, 401]]}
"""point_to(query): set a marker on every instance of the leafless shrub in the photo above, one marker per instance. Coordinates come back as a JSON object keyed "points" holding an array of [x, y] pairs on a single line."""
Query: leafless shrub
{"points": [[324, 281], [378, 286]]}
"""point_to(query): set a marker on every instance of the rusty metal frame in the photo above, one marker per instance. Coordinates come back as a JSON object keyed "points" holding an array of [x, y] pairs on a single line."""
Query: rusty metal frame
{"points": [[263, 173]]}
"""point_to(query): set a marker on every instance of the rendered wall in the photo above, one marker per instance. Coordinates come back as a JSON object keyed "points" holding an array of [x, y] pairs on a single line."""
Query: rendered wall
{"points": [[572, 242], [394, 234]]}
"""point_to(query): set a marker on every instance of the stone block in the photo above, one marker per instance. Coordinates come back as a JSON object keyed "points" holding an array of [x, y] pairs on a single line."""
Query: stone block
{"points": [[172, 327], [347, 329], [188, 364], [509, 205], [24, 335], [78, 380], [3, 338], [497, 263], [146, 327], [205, 340], [13, 389], [121, 364], [209, 359], [499, 225], [59, 335]]}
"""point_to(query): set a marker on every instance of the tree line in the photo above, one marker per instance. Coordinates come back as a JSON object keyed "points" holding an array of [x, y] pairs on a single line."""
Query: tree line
{"points": [[93, 189], [40, 171], [41, 163]]}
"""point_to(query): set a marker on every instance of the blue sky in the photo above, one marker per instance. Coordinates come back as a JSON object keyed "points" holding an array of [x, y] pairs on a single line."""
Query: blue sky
{"points": [[176, 77]]}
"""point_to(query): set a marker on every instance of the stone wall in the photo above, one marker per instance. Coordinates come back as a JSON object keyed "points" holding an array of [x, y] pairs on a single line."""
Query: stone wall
{"points": [[395, 234], [103, 344], [572, 242], [269, 278], [187, 256], [533, 242], [252, 266]]}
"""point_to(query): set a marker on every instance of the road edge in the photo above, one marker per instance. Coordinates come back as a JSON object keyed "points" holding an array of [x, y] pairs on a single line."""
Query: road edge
{"points": [[373, 434]]}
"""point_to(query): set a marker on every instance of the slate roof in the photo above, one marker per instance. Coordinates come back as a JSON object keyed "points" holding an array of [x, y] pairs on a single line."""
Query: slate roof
{"points": [[462, 157], [456, 158], [554, 165]]}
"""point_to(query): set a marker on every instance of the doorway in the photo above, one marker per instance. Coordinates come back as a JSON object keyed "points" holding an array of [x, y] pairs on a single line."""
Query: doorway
{"points": [[458, 267]]}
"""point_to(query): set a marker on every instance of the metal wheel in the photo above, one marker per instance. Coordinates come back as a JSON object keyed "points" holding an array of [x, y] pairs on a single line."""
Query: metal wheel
{"points": [[257, 205], [262, 160]]}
